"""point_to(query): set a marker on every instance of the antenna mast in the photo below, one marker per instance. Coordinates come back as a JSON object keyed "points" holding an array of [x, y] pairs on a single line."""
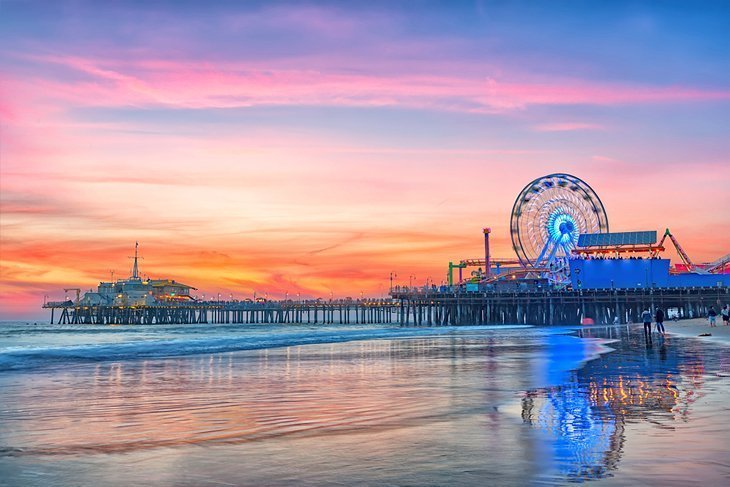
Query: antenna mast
{"points": [[135, 269]]}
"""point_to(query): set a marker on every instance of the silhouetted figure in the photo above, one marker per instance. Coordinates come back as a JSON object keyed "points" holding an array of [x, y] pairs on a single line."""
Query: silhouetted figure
{"points": [[712, 315], [659, 321], [646, 317]]}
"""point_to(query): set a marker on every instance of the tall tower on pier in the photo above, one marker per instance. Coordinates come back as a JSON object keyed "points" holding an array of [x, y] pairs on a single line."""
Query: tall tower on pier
{"points": [[487, 255], [135, 269]]}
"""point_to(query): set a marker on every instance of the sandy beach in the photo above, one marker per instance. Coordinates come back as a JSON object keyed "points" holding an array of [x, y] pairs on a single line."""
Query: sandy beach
{"points": [[696, 326]]}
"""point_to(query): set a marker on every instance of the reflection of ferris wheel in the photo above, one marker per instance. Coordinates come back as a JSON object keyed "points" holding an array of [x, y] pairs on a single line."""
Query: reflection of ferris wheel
{"points": [[547, 217]]}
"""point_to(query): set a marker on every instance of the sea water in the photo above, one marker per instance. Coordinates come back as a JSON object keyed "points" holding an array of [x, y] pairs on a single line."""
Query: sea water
{"points": [[359, 405]]}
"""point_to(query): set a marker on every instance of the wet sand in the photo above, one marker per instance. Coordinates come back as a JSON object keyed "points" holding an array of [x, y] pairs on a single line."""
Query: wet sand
{"points": [[697, 326], [467, 406]]}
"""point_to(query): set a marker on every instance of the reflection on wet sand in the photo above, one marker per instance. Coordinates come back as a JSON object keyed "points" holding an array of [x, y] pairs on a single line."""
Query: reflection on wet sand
{"points": [[425, 411], [585, 419], [236, 398]]}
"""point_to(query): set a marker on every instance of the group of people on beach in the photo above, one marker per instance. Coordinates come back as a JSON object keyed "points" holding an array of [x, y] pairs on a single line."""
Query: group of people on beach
{"points": [[712, 315], [658, 317]]}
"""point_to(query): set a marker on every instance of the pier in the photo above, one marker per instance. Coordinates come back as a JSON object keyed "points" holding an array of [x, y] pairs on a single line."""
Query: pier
{"points": [[417, 307], [569, 307], [365, 311]]}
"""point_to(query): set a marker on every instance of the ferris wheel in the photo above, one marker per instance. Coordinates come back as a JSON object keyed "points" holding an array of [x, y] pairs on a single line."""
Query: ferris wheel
{"points": [[547, 217]]}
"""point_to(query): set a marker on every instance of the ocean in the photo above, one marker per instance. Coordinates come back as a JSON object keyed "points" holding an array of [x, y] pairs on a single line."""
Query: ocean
{"points": [[305, 405]]}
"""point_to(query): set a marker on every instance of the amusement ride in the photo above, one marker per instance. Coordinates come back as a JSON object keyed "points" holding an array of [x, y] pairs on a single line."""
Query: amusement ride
{"points": [[555, 220], [548, 216]]}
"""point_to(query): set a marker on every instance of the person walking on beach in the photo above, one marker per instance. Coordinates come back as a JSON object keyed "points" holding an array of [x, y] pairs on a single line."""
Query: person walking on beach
{"points": [[659, 320], [725, 312], [646, 316], [711, 315]]}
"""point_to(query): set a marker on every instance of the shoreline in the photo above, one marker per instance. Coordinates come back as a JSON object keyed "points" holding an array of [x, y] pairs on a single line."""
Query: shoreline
{"points": [[687, 328], [694, 327]]}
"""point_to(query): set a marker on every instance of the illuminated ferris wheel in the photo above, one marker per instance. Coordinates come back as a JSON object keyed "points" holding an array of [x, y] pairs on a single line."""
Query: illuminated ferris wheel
{"points": [[547, 217]]}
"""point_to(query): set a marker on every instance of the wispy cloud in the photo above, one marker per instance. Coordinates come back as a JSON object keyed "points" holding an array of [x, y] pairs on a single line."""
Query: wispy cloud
{"points": [[231, 85]]}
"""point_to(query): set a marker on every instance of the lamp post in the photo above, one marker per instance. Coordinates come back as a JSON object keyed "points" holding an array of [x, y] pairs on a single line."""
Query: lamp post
{"points": [[411, 278], [393, 275]]}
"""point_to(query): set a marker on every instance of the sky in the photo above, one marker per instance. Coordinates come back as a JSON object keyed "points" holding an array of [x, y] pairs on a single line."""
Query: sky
{"points": [[314, 148]]}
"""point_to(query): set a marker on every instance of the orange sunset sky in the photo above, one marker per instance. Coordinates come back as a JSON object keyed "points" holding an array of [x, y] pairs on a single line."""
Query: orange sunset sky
{"points": [[316, 147]]}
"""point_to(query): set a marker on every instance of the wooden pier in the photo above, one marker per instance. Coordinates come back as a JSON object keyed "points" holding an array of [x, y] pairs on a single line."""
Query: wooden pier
{"points": [[430, 308], [364, 311], [417, 307]]}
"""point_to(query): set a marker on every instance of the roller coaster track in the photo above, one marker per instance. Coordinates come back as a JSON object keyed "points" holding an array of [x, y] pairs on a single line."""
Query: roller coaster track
{"points": [[719, 265]]}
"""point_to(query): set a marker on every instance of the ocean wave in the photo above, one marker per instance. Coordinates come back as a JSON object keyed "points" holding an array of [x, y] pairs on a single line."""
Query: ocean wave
{"points": [[28, 357]]}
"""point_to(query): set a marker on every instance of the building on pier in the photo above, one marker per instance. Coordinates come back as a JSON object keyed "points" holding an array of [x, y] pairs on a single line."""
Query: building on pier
{"points": [[136, 291], [632, 260]]}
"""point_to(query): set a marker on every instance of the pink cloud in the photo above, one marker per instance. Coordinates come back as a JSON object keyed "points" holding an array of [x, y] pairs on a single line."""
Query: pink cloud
{"points": [[220, 85]]}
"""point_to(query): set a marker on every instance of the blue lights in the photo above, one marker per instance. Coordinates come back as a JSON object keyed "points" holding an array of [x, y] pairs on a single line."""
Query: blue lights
{"points": [[562, 228]]}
